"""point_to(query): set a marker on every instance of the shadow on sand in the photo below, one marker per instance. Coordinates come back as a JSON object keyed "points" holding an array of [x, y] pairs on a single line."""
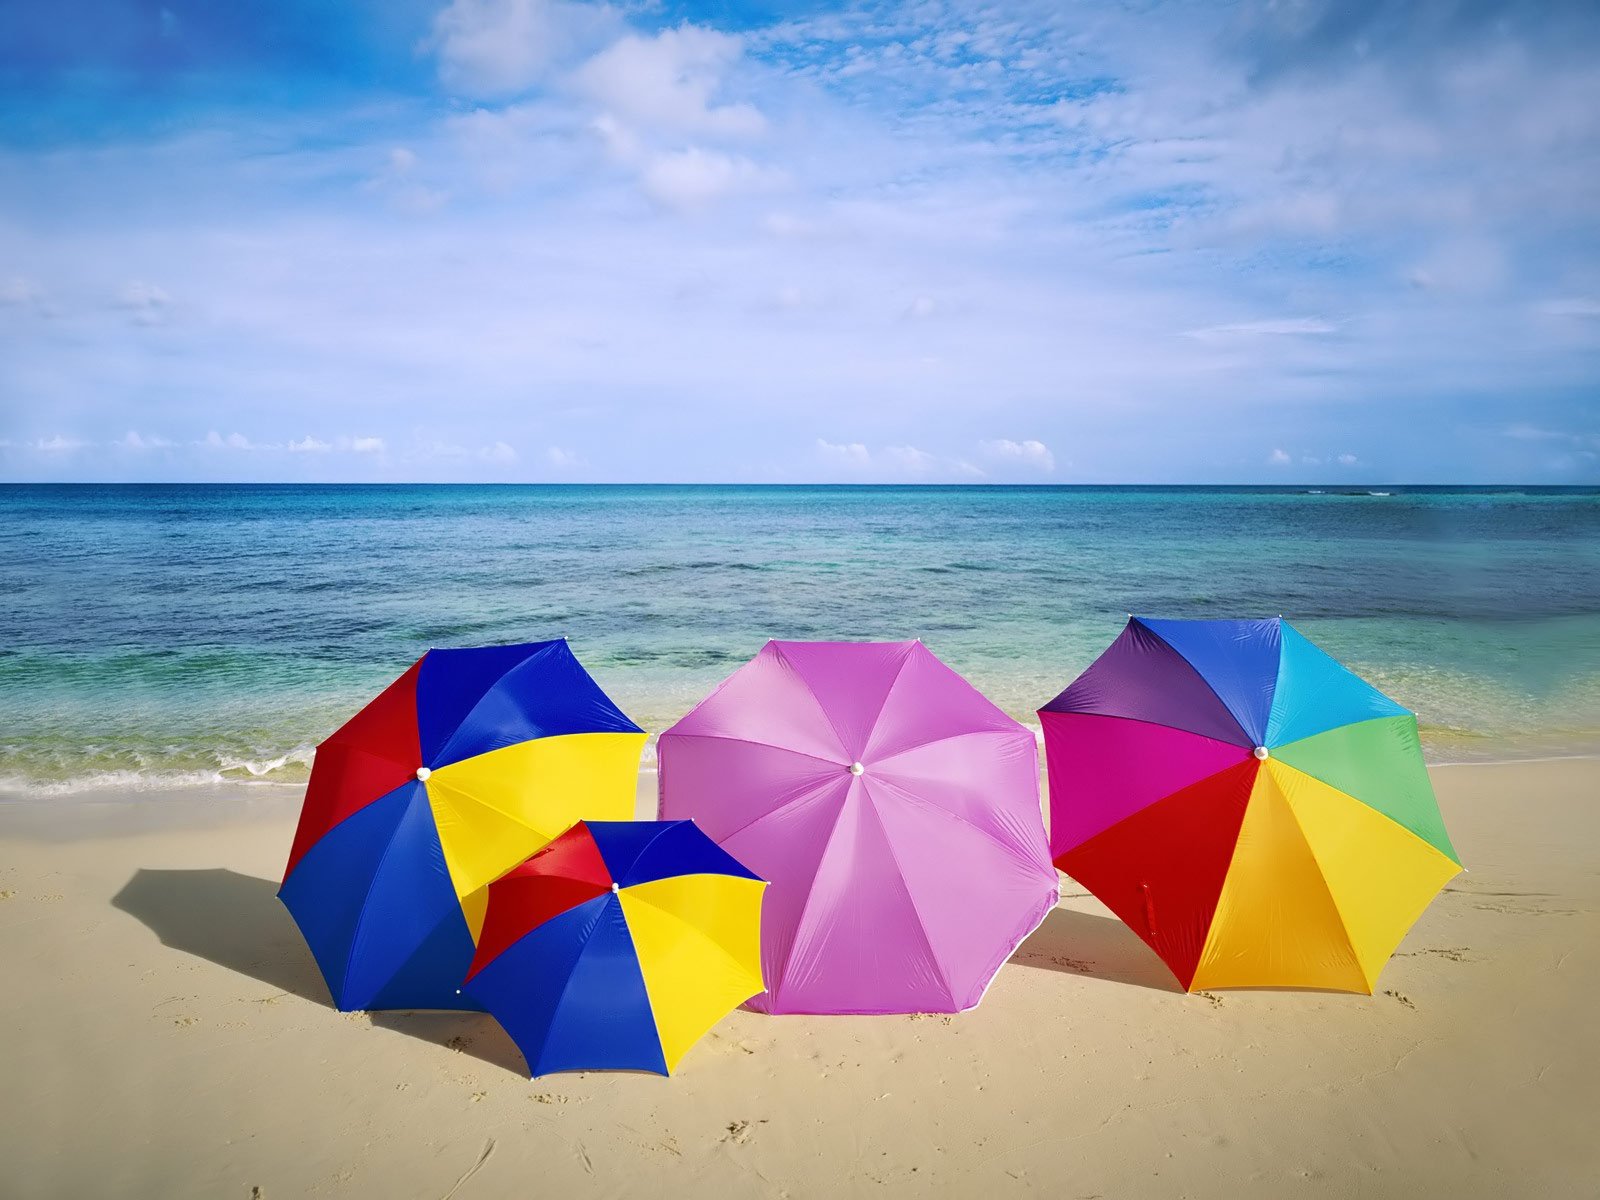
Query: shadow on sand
{"points": [[237, 922], [1082, 943]]}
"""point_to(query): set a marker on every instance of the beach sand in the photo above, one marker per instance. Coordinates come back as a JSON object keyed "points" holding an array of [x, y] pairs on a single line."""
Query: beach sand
{"points": [[164, 1033]]}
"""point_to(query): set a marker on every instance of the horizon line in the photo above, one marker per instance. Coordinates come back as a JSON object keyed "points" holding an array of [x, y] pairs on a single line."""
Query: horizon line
{"points": [[1321, 485]]}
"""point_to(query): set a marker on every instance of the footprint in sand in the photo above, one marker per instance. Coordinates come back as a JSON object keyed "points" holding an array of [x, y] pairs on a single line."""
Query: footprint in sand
{"points": [[739, 1131], [1453, 953], [1400, 996], [1211, 998]]}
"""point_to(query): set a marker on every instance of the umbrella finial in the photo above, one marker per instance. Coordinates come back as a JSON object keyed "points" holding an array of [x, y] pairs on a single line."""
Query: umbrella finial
{"points": [[1261, 753], [422, 774], [856, 768]]}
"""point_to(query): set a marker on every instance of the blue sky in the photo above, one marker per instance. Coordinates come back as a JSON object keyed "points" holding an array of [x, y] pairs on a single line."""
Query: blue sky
{"points": [[938, 242]]}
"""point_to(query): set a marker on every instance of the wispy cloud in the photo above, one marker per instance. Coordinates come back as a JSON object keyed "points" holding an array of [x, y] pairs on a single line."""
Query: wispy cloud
{"points": [[133, 440], [1029, 453], [58, 444], [1282, 327]]}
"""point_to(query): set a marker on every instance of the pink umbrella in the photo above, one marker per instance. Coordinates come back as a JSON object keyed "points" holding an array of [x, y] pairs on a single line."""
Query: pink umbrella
{"points": [[895, 810]]}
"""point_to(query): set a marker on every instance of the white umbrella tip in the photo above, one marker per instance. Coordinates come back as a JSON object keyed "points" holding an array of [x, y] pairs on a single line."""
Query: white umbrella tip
{"points": [[422, 774]]}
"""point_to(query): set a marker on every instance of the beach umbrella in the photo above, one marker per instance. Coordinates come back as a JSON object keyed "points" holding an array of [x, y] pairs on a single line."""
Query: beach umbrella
{"points": [[895, 810], [618, 946], [464, 766], [1254, 811]]}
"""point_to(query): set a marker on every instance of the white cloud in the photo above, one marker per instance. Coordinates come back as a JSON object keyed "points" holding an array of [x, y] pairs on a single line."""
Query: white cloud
{"points": [[1575, 307], [1279, 458], [148, 303], [847, 454], [233, 441], [399, 183], [1524, 432], [502, 47], [694, 177], [19, 291], [562, 459], [1347, 460], [922, 307], [367, 445], [670, 82], [909, 460], [58, 444], [133, 440], [310, 445], [499, 452], [1030, 453], [1283, 327]]}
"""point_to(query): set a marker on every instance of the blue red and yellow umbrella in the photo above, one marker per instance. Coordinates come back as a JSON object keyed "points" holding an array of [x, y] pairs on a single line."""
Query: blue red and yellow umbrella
{"points": [[465, 765], [618, 946]]}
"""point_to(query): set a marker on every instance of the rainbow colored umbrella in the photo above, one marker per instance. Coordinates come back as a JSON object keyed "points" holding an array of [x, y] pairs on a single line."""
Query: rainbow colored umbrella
{"points": [[1254, 811], [895, 810], [464, 766], [618, 946]]}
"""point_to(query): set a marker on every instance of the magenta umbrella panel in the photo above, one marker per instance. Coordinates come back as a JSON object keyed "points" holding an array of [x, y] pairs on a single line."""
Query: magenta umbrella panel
{"points": [[895, 810]]}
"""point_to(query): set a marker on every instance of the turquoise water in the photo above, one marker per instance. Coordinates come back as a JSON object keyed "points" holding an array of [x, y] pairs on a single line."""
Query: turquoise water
{"points": [[160, 635]]}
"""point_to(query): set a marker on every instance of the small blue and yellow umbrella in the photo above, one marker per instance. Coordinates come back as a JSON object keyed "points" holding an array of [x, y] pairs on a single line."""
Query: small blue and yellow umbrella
{"points": [[465, 765], [618, 946]]}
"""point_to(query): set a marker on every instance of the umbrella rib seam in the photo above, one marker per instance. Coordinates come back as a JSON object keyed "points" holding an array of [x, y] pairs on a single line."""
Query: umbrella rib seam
{"points": [[828, 716], [361, 916], [1322, 877], [978, 829], [644, 849], [888, 692], [730, 737], [1245, 743], [1200, 675], [805, 907], [1081, 843], [933, 955], [666, 912], [1369, 805], [812, 792], [1019, 729]]}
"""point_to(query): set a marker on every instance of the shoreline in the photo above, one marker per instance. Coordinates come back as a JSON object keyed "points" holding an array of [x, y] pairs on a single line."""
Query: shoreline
{"points": [[129, 784], [156, 962]]}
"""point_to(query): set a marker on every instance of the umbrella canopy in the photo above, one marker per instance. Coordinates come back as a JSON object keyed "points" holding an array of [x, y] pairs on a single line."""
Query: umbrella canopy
{"points": [[465, 765], [618, 946], [895, 810], [1254, 811]]}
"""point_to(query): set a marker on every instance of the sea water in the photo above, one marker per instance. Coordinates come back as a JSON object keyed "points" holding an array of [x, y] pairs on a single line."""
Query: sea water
{"points": [[157, 635]]}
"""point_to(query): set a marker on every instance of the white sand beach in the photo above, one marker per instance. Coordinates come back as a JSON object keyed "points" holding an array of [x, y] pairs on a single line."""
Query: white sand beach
{"points": [[166, 1034]]}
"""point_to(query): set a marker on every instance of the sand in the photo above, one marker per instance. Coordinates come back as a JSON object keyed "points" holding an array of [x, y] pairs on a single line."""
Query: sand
{"points": [[164, 1033]]}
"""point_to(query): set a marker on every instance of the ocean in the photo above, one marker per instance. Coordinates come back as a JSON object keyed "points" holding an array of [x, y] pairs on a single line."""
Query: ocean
{"points": [[156, 636]]}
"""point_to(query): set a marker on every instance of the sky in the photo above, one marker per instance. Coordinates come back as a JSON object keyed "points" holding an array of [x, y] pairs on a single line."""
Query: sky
{"points": [[940, 241]]}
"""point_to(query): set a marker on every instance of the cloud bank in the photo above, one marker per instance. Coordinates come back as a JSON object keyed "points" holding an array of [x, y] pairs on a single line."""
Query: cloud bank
{"points": [[535, 239]]}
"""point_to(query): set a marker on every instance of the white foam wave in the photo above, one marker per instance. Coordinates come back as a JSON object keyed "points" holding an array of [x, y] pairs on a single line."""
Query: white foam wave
{"points": [[150, 776]]}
